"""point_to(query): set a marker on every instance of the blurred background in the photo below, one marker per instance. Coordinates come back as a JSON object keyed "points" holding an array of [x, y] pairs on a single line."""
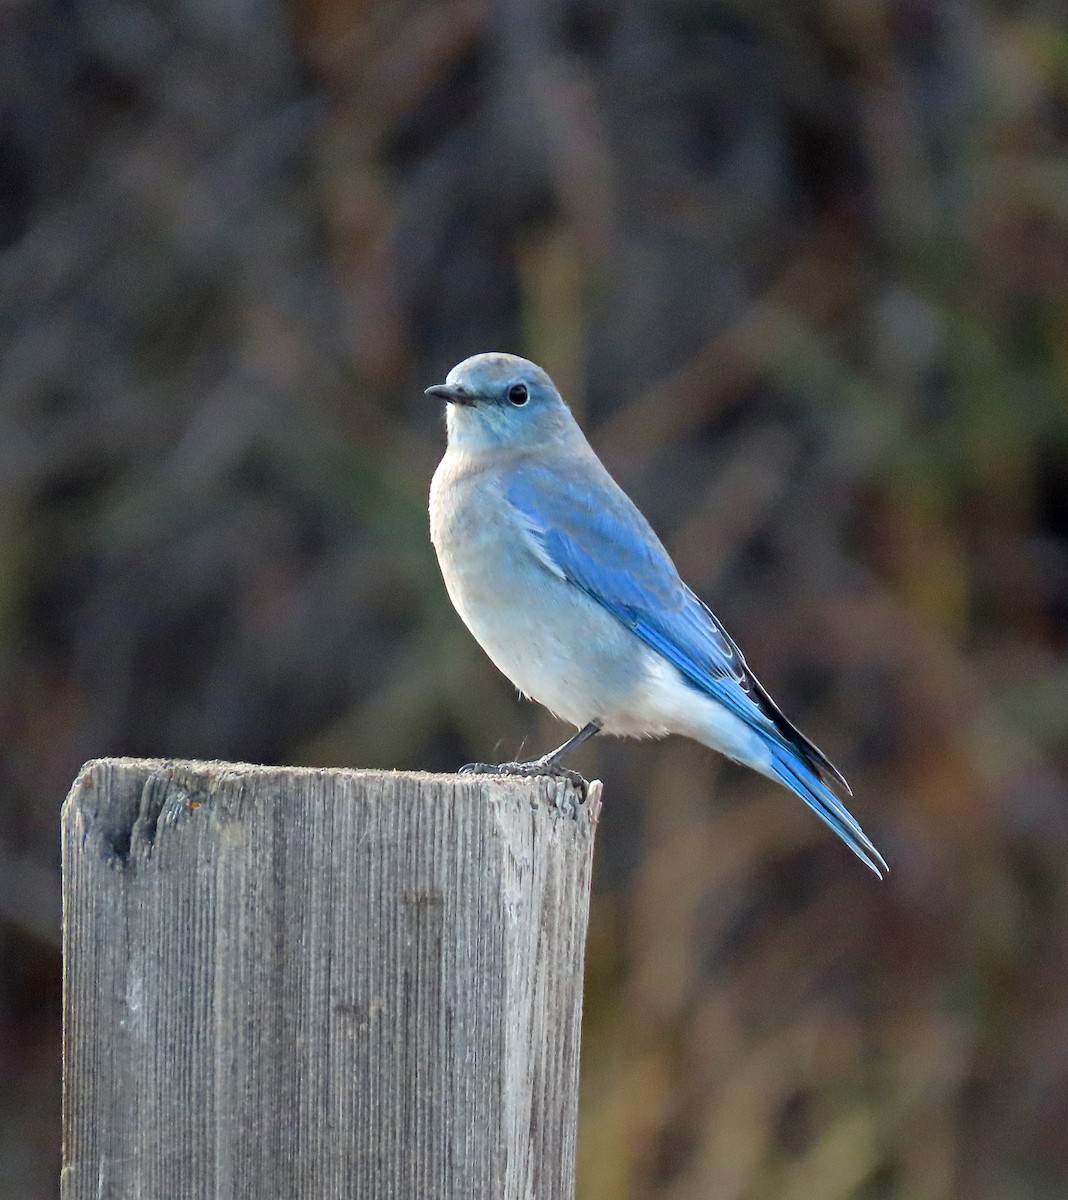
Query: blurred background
{"points": [[801, 270]]}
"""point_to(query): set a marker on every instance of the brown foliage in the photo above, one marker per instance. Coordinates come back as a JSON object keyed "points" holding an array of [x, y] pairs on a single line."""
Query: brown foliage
{"points": [[800, 269]]}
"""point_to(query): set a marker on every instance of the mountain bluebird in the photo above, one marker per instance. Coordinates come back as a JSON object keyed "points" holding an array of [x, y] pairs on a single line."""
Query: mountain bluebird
{"points": [[570, 592]]}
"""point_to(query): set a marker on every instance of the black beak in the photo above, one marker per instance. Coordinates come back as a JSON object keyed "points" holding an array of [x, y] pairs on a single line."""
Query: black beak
{"points": [[452, 392]]}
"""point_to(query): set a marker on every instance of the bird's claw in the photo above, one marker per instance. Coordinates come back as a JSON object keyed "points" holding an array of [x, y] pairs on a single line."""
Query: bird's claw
{"points": [[530, 770]]}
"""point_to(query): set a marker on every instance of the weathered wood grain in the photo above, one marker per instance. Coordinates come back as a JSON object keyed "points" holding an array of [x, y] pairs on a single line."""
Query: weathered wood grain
{"points": [[300, 984]]}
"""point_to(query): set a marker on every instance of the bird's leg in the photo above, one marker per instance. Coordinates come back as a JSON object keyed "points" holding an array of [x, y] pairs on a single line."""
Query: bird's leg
{"points": [[548, 764], [557, 756]]}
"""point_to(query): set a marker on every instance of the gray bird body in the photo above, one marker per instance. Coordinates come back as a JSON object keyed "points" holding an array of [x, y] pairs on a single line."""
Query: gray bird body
{"points": [[550, 639], [568, 590]]}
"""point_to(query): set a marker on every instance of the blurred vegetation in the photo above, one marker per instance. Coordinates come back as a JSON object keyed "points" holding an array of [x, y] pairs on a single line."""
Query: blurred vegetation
{"points": [[801, 270]]}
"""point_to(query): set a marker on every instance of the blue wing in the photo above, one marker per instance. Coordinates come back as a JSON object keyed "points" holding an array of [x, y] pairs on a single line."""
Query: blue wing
{"points": [[588, 531]]}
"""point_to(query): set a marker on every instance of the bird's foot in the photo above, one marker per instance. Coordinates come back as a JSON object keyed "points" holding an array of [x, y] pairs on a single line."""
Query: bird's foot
{"points": [[530, 770]]}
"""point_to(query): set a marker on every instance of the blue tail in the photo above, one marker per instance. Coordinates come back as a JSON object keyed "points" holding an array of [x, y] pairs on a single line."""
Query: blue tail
{"points": [[789, 769]]}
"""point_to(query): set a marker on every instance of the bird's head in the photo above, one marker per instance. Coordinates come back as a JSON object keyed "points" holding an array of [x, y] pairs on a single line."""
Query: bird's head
{"points": [[502, 402]]}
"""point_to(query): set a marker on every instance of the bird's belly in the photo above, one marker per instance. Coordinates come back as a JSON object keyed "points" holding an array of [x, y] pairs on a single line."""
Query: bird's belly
{"points": [[549, 638], [564, 650]]}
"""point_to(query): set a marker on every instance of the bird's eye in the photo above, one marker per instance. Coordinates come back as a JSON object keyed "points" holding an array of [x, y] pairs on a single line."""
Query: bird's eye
{"points": [[517, 393]]}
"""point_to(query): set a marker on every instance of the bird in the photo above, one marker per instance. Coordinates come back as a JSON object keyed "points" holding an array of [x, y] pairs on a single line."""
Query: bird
{"points": [[574, 598]]}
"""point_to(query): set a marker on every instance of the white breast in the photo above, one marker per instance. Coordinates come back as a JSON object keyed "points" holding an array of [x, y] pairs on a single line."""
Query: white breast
{"points": [[551, 640]]}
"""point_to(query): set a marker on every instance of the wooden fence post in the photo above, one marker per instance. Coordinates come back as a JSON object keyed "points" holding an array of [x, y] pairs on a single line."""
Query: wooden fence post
{"points": [[321, 985]]}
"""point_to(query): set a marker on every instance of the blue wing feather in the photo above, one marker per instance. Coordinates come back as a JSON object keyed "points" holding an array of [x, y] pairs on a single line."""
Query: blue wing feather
{"points": [[592, 535]]}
